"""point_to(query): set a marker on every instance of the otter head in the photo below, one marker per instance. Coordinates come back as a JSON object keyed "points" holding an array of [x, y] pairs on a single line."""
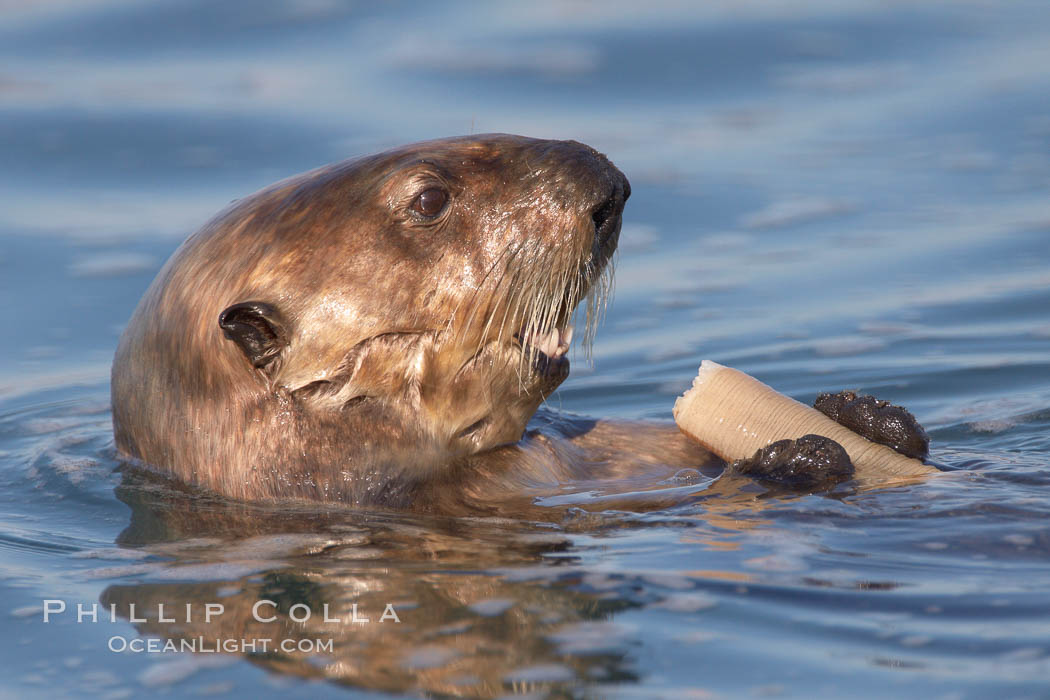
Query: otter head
{"points": [[371, 321]]}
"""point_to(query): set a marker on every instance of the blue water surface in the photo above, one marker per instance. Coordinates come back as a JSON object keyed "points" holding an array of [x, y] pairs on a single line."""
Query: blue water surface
{"points": [[826, 195]]}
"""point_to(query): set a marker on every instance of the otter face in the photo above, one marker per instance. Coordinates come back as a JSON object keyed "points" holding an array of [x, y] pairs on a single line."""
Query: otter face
{"points": [[415, 302]]}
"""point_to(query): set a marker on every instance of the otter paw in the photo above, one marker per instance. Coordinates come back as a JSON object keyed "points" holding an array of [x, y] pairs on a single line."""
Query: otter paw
{"points": [[878, 421], [808, 462]]}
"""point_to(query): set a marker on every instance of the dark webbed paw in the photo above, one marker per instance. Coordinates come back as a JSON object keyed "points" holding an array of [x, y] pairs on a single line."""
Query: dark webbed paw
{"points": [[878, 421], [810, 461]]}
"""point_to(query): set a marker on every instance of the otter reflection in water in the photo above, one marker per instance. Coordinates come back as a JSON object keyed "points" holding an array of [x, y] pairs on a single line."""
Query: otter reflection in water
{"points": [[484, 606]]}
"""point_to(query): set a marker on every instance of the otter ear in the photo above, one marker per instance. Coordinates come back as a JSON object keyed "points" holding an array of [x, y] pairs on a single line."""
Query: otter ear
{"points": [[257, 328]]}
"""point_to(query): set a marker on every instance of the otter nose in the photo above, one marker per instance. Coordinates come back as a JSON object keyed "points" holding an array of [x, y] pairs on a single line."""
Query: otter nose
{"points": [[606, 215]]}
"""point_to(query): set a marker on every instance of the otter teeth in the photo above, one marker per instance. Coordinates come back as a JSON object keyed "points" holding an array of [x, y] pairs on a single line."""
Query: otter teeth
{"points": [[553, 343]]}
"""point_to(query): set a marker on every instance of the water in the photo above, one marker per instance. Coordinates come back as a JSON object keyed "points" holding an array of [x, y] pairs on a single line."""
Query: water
{"points": [[826, 195]]}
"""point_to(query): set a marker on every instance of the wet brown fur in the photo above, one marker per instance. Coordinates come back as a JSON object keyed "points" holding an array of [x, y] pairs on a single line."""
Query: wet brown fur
{"points": [[399, 380]]}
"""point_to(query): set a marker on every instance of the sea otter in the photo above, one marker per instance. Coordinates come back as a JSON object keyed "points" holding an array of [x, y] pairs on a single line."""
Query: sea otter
{"points": [[380, 332], [357, 332]]}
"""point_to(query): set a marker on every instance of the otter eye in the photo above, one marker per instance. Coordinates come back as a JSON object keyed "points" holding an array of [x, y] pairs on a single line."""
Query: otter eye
{"points": [[430, 202]]}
